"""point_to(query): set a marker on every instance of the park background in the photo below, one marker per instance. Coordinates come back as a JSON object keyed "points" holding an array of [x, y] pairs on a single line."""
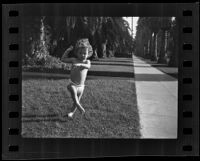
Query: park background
{"points": [[110, 96]]}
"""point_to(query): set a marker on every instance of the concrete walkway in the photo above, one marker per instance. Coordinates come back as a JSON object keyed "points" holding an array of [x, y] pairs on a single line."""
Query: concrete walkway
{"points": [[157, 98]]}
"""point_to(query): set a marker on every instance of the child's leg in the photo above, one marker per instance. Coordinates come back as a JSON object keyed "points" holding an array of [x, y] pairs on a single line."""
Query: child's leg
{"points": [[74, 105], [79, 97], [76, 95], [74, 108]]}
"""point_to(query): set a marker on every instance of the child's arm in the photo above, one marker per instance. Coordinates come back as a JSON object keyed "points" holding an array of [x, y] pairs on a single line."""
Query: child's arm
{"points": [[65, 58], [87, 65]]}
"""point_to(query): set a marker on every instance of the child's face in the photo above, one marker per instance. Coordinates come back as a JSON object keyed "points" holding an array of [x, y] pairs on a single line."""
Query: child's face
{"points": [[82, 53]]}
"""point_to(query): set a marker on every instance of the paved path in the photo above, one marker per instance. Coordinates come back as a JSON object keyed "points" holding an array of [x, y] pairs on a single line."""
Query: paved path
{"points": [[157, 97]]}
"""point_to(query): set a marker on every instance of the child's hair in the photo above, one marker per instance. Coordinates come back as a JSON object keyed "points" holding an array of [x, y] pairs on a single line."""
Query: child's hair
{"points": [[84, 43]]}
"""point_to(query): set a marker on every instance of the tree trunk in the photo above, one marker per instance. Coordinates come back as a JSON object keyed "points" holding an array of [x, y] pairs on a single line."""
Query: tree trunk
{"points": [[95, 55], [161, 58], [144, 51], [156, 46], [68, 35], [172, 61], [153, 57], [103, 49], [148, 50], [174, 57]]}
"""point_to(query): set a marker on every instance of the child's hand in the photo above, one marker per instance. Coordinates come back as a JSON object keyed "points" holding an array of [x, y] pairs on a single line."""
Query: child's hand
{"points": [[65, 57], [70, 48], [80, 65], [67, 51], [86, 65]]}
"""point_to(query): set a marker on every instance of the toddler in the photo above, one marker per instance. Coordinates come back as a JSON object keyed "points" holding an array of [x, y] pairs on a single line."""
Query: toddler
{"points": [[78, 74]]}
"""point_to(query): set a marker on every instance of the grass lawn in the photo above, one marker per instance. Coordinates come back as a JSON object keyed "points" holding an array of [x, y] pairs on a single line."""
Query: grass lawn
{"points": [[110, 104], [104, 65], [113, 64]]}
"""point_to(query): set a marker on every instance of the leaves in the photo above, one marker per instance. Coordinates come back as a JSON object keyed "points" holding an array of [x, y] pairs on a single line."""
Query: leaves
{"points": [[149, 36], [48, 35]]}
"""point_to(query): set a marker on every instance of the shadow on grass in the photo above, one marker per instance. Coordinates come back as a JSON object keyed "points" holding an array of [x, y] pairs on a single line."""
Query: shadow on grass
{"points": [[107, 75], [119, 61], [146, 66], [48, 118], [40, 76], [153, 65], [161, 67], [37, 75], [106, 78], [111, 74], [35, 116], [113, 64], [155, 77], [43, 120], [164, 68], [158, 77], [173, 75]]}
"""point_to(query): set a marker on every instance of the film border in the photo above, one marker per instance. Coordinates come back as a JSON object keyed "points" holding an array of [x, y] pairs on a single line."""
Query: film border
{"points": [[188, 113]]}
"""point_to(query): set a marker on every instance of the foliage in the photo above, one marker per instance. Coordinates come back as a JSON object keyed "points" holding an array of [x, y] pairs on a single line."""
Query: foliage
{"points": [[156, 39], [47, 35]]}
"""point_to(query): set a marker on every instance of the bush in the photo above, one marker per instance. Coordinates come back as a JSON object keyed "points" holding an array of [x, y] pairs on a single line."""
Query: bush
{"points": [[49, 62], [53, 62], [126, 55]]}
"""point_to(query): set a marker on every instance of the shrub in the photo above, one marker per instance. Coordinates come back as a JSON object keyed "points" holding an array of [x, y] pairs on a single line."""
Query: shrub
{"points": [[49, 62], [54, 63], [126, 55]]}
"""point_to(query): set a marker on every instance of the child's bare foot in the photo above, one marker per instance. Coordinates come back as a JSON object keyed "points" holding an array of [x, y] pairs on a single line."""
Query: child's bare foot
{"points": [[70, 115]]}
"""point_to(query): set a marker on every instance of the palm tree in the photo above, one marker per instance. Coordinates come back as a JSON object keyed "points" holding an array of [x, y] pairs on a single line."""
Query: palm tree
{"points": [[143, 38], [173, 47], [31, 37], [107, 32], [165, 26], [163, 42], [154, 25], [118, 34], [103, 32]]}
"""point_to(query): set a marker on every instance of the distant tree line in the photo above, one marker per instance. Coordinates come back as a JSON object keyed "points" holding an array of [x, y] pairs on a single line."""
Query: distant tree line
{"points": [[157, 39], [46, 38]]}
